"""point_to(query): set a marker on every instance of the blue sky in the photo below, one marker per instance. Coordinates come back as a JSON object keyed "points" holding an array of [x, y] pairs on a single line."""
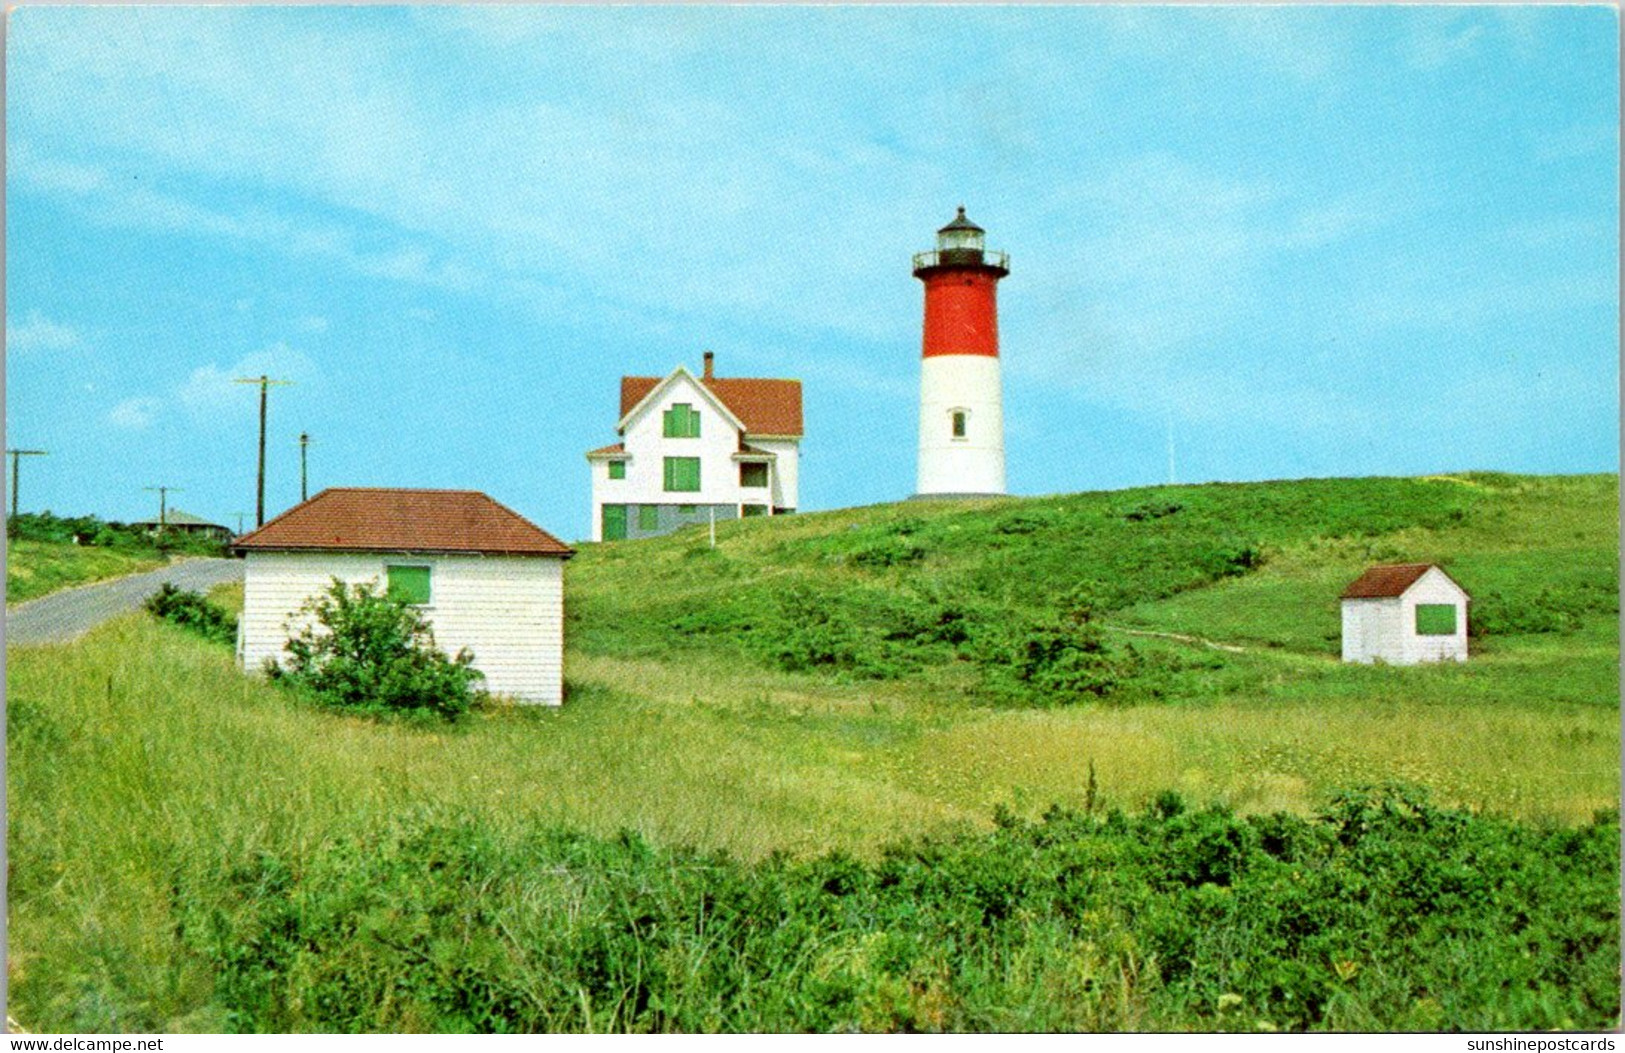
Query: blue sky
{"points": [[1303, 241]]}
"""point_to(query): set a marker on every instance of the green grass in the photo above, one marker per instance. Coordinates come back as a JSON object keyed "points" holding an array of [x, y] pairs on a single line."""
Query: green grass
{"points": [[34, 568], [140, 761]]}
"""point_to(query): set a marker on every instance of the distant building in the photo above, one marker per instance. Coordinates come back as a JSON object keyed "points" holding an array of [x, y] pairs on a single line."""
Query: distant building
{"points": [[697, 448], [484, 577], [1404, 614], [186, 523]]}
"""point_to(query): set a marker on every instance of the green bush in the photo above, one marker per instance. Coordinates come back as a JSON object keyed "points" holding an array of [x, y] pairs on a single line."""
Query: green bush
{"points": [[360, 650], [1383, 914], [193, 611]]}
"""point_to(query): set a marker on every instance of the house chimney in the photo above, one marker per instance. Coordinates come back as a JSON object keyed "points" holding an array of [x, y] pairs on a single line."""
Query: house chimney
{"points": [[710, 365]]}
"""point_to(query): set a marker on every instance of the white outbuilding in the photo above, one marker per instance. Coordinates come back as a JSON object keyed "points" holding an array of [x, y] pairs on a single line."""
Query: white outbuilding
{"points": [[483, 576], [1403, 614]]}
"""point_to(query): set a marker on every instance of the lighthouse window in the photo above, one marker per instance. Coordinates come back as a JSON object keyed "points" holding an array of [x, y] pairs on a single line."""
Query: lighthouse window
{"points": [[682, 421], [958, 417]]}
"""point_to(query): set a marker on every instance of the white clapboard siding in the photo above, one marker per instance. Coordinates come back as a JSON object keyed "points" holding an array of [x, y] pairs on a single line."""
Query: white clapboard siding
{"points": [[508, 610], [1385, 629]]}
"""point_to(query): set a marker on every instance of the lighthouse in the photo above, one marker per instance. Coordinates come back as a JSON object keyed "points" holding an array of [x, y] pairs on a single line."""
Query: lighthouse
{"points": [[961, 409]]}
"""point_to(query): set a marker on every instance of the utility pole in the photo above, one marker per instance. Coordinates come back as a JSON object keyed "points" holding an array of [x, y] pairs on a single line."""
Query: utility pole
{"points": [[264, 382], [163, 503], [304, 442], [16, 456], [239, 516]]}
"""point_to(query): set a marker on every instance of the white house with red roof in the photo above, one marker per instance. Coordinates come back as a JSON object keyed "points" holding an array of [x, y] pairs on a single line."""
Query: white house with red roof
{"points": [[1403, 614], [694, 449], [483, 576]]}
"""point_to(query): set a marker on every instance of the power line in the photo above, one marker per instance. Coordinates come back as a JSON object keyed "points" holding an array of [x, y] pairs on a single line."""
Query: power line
{"points": [[17, 456], [264, 382], [163, 505]]}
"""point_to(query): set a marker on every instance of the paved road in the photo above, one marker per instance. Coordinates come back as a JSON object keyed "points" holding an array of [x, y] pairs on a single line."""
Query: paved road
{"points": [[68, 615]]}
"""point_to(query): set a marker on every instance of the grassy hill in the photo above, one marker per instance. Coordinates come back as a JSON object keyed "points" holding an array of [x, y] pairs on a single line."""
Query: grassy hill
{"points": [[34, 568], [191, 849]]}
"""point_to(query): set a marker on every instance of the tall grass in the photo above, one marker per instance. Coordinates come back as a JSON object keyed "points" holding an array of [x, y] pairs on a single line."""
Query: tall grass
{"points": [[141, 762]]}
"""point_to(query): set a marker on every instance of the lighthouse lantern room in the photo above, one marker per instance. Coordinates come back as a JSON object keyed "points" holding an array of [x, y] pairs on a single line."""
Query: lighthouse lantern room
{"points": [[961, 411]]}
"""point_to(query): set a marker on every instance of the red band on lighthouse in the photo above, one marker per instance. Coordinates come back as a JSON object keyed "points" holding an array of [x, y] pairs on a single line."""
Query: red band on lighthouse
{"points": [[961, 313]]}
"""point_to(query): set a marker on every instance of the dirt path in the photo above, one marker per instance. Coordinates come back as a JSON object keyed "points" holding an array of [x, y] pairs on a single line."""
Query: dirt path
{"points": [[1182, 637], [69, 614]]}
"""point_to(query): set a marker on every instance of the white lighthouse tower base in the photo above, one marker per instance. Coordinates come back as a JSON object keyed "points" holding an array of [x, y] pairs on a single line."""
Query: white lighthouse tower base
{"points": [[961, 427]]}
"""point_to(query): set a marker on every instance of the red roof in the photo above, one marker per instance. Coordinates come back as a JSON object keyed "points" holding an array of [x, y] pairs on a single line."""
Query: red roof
{"points": [[366, 519], [618, 447], [766, 407], [1387, 581]]}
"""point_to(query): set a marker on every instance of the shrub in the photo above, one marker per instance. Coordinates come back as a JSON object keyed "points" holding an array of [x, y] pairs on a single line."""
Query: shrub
{"points": [[365, 651], [193, 611], [808, 631], [1385, 914]]}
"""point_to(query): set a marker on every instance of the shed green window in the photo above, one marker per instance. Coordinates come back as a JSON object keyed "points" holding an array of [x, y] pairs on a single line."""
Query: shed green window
{"points": [[617, 469], [682, 421], [648, 517], [1435, 619], [408, 584], [753, 475], [682, 473], [614, 523]]}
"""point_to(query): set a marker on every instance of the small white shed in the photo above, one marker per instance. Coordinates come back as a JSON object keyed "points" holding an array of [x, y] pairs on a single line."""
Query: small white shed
{"points": [[1403, 614], [484, 577]]}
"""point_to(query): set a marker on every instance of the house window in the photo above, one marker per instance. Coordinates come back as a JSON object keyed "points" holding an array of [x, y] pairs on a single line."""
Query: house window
{"points": [[682, 473], [752, 510], [688, 510], [753, 475], [648, 517], [614, 523], [957, 422], [1435, 619], [408, 584], [682, 421], [617, 469]]}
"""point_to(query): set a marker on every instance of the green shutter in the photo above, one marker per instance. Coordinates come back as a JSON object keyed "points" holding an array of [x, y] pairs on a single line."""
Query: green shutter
{"points": [[682, 421], [617, 469], [682, 473], [614, 523], [409, 584], [648, 517], [1436, 619]]}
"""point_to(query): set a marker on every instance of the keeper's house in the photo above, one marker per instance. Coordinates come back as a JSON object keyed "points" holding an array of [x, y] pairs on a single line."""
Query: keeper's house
{"points": [[484, 577], [694, 449], [1404, 614]]}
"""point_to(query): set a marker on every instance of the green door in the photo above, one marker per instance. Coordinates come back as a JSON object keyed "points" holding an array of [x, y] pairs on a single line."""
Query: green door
{"points": [[614, 522]]}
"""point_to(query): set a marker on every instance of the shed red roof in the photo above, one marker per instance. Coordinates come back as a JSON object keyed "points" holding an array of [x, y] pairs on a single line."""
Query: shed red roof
{"points": [[366, 519], [765, 406], [1386, 581]]}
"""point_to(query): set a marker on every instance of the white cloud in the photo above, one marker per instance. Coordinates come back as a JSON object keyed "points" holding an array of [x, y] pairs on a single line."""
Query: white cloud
{"points": [[135, 414], [213, 390], [39, 333]]}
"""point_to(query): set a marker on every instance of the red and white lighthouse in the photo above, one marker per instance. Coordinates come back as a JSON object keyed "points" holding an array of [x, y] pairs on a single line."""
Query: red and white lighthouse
{"points": [[961, 408]]}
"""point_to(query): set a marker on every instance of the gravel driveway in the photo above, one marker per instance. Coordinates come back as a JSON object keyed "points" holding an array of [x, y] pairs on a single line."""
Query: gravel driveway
{"points": [[68, 615]]}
